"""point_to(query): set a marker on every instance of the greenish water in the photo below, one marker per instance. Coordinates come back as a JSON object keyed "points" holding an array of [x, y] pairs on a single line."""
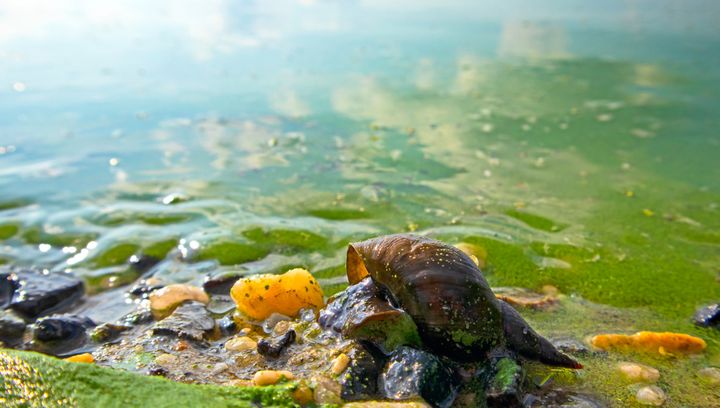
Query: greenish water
{"points": [[578, 146]]}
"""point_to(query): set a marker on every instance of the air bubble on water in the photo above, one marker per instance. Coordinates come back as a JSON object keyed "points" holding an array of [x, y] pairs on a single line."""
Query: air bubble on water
{"points": [[69, 250], [114, 161], [487, 173], [44, 247], [19, 87], [487, 127], [194, 245]]}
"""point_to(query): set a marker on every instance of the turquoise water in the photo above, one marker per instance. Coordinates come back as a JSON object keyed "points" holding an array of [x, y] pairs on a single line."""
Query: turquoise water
{"points": [[577, 144]]}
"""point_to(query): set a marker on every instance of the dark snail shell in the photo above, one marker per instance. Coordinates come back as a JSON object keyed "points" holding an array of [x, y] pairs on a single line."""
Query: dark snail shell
{"points": [[447, 296]]}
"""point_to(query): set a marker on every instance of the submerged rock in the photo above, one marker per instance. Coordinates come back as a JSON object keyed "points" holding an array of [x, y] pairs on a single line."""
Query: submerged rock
{"points": [[272, 347], [561, 399], [190, 321], [708, 316], [410, 373], [651, 395], [710, 374], [635, 372], [12, 328], [36, 294], [360, 381], [361, 312]]}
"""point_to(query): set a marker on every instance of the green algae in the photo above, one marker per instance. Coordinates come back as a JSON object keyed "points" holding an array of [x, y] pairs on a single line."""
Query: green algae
{"points": [[115, 255], [30, 379], [228, 252], [536, 221], [8, 230]]}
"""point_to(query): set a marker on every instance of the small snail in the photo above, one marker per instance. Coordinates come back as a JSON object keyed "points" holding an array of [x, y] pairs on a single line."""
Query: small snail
{"points": [[448, 298]]}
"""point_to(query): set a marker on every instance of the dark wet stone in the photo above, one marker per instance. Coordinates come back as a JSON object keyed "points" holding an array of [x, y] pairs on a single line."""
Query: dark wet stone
{"points": [[12, 328], [143, 263], [61, 327], [220, 284], [38, 294], [107, 332], [190, 321], [363, 313], [272, 347], [411, 373], [142, 289], [504, 383], [708, 316], [7, 288], [360, 381], [137, 317], [227, 326], [157, 371], [563, 399]]}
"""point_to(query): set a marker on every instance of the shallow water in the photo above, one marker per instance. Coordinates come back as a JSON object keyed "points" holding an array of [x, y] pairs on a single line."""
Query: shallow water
{"points": [[578, 145]]}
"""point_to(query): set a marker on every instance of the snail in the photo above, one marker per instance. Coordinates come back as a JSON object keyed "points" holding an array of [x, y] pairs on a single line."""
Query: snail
{"points": [[444, 292]]}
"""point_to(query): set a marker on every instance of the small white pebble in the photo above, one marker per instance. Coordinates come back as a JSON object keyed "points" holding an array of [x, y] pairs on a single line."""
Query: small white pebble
{"points": [[634, 372], [651, 395], [219, 368], [710, 374]]}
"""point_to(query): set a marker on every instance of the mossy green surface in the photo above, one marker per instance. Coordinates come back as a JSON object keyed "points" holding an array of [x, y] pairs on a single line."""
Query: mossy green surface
{"points": [[35, 380]]}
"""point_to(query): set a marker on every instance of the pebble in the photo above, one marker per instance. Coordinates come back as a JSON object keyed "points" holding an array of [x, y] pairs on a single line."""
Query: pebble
{"points": [[710, 374], [240, 344], [219, 368], [651, 395], [163, 301], [81, 358], [270, 377], [165, 359], [339, 364], [635, 372]]}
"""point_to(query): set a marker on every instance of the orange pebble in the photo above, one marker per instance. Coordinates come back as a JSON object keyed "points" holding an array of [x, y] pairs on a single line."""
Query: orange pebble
{"points": [[664, 343], [81, 358]]}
